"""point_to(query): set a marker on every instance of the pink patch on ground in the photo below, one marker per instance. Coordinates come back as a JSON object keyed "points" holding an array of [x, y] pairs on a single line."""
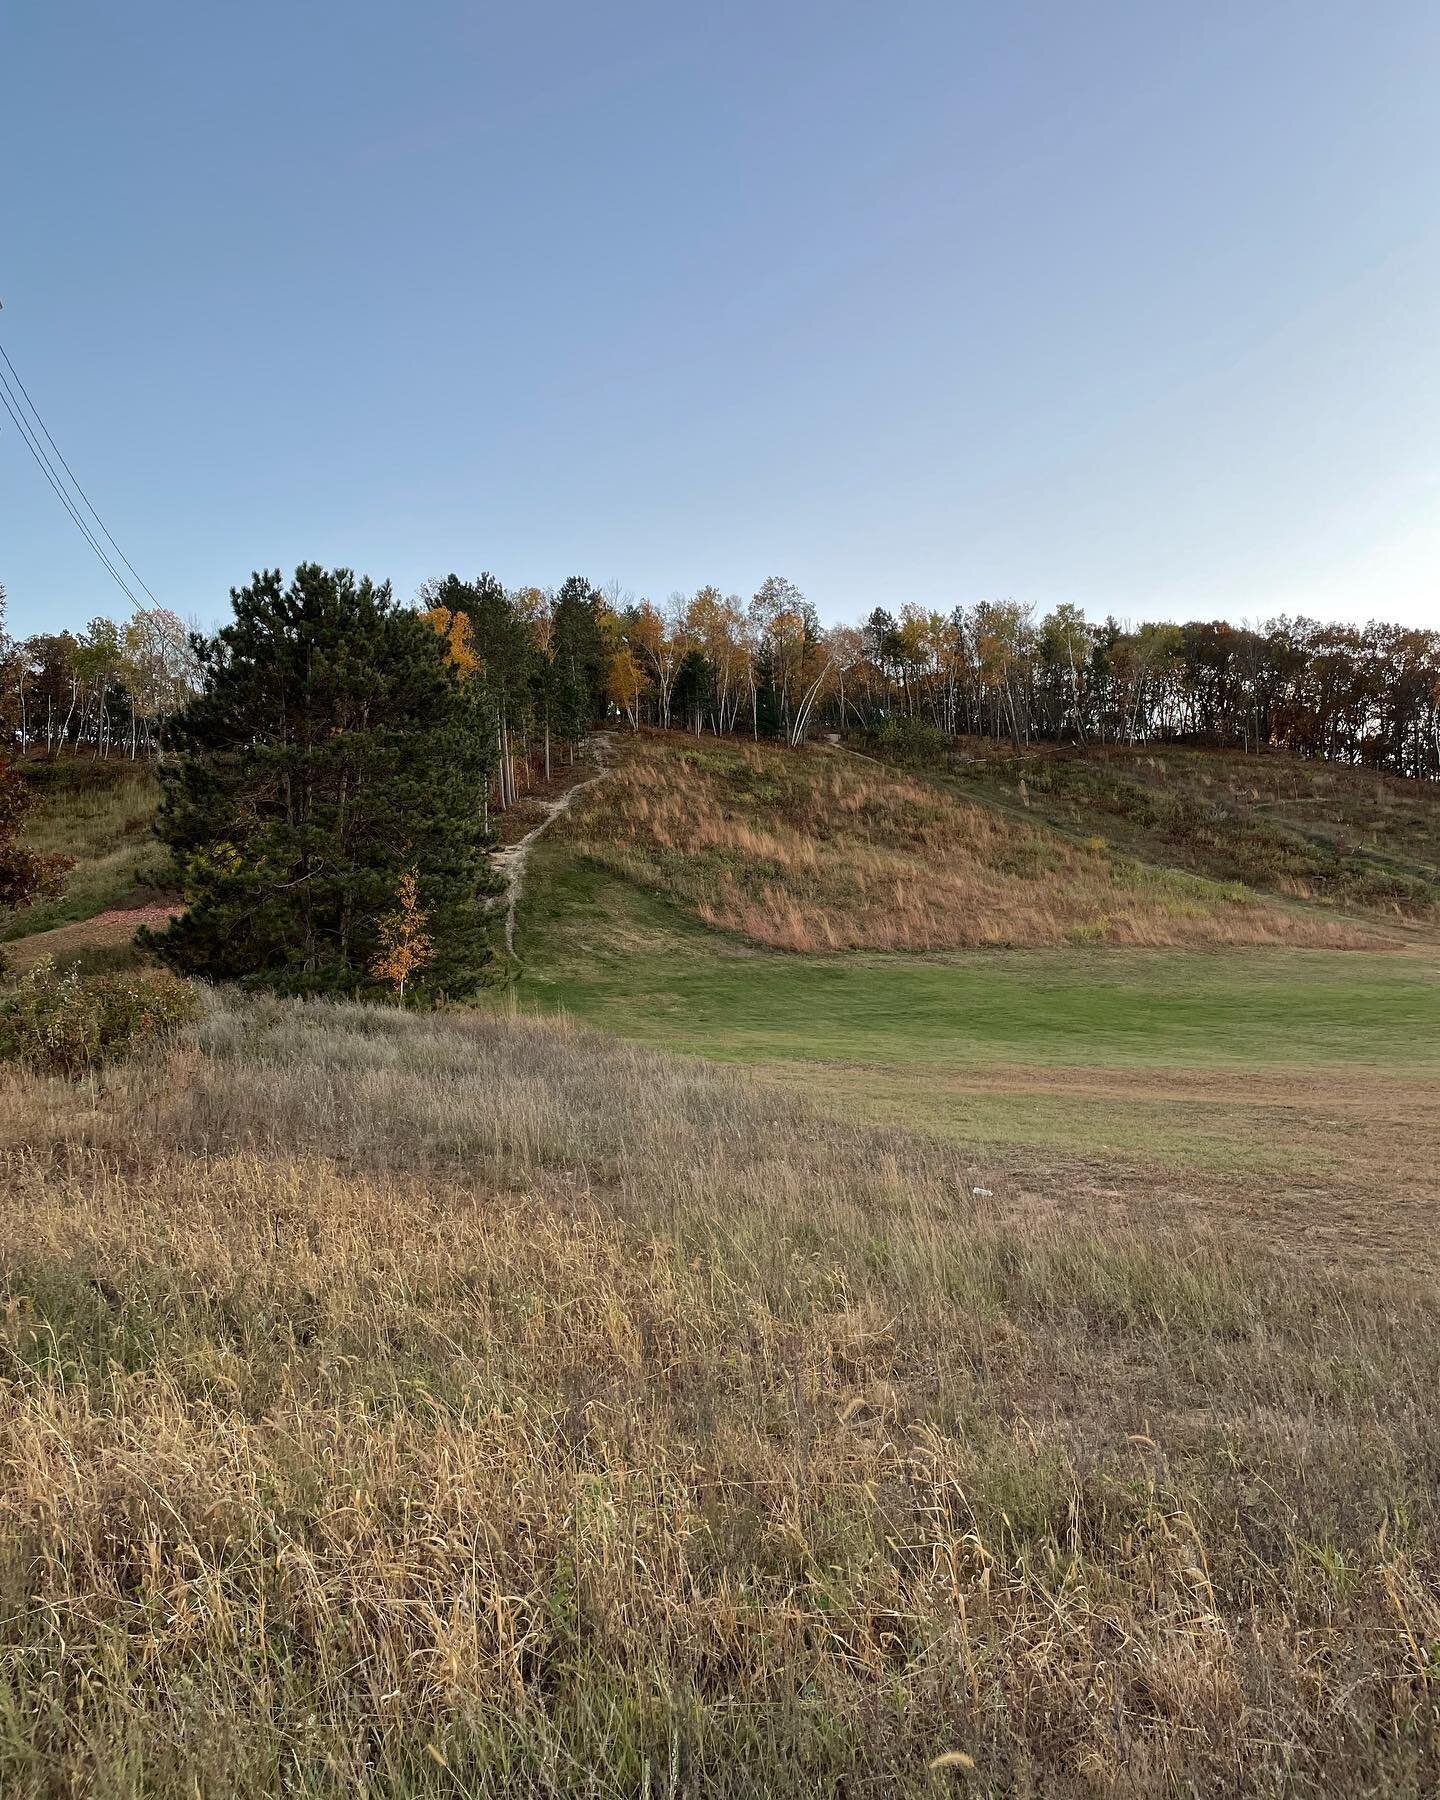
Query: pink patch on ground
{"points": [[138, 915]]}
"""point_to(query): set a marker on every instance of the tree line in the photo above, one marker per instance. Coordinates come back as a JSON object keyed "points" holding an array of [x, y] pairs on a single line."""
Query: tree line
{"points": [[1362, 695], [330, 758], [103, 691], [551, 662], [328, 762]]}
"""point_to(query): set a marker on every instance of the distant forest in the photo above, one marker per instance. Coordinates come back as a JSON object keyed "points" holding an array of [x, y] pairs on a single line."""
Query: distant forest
{"points": [[554, 662]]}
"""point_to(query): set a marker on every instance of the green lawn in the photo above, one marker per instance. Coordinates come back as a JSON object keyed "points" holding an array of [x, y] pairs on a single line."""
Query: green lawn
{"points": [[623, 960], [1250, 1062]]}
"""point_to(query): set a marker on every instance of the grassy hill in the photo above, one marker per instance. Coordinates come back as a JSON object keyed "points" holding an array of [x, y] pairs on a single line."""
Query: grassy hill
{"points": [[100, 813], [817, 851], [1280, 1086], [773, 1370], [1312, 831]]}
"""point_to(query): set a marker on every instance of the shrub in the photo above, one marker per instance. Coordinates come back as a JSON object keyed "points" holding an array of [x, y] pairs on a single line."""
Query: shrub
{"points": [[65, 1022], [911, 740]]}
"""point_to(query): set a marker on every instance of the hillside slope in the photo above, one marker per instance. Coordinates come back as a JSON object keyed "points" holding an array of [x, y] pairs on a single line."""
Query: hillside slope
{"points": [[1287, 1082], [101, 814], [815, 850], [1304, 830], [470, 1402]]}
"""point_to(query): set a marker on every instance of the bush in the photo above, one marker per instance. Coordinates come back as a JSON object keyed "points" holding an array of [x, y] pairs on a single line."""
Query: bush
{"points": [[910, 740], [65, 1022]]}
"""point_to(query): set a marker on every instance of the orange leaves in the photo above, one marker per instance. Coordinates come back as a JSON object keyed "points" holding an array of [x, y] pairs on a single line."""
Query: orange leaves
{"points": [[647, 630], [405, 945]]}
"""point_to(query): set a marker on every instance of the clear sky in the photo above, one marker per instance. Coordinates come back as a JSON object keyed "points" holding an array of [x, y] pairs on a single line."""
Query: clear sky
{"points": [[1133, 305]]}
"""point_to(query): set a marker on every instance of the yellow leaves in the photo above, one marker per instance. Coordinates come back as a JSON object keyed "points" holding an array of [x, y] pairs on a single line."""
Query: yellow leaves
{"points": [[647, 629], [533, 606], [454, 628], [624, 681], [405, 945], [211, 868]]}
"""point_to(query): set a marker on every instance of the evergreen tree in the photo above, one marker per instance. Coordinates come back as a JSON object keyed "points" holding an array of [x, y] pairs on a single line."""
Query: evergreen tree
{"points": [[498, 636], [767, 715], [573, 709], [332, 747], [694, 691], [581, 653]]}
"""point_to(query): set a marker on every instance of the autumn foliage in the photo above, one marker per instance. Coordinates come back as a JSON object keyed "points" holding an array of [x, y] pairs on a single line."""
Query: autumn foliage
{"points": [[405, 945], [459, 638]]}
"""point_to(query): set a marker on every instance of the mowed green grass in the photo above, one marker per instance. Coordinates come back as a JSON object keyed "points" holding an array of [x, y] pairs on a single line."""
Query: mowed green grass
{"points": [[622, 959], [1001, 1048]]}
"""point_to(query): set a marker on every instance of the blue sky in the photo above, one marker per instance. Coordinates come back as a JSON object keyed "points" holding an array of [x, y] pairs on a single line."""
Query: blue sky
{"points": [[1131, 305]]}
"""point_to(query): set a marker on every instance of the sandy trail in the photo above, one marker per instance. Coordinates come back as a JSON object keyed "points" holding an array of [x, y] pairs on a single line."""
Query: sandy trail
{"points": [[511, 861]]}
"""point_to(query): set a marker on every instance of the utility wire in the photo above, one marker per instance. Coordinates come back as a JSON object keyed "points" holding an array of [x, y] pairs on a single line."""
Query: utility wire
{"points": [[32, 444], [47, 469], [35, 411]]}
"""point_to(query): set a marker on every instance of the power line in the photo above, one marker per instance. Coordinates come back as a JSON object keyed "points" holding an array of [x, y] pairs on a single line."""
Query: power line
{"points": [[37, 450], [32, 444], [71, 473], [47, 469]]}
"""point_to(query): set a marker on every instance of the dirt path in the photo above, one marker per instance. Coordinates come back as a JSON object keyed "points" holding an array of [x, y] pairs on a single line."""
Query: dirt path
{"points": [[512, 860]]}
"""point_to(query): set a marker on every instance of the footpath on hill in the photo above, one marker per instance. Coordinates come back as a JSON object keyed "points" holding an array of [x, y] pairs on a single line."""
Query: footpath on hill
{"points": [[512, 860]]}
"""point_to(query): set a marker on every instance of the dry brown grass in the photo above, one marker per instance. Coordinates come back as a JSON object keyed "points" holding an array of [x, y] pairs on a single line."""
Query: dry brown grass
{"points": [[813, 852], [467, 1405], [1351, 838]]}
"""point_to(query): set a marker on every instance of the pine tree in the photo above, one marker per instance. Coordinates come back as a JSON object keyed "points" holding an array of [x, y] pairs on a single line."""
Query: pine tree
{"points": [[332, 747], [581, 653], [498, 640]]}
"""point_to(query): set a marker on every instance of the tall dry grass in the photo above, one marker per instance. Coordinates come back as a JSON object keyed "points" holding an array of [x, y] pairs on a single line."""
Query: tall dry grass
{"points": [[469, 1405], [816, 853], [1319, 831]]}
